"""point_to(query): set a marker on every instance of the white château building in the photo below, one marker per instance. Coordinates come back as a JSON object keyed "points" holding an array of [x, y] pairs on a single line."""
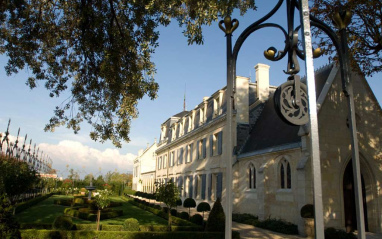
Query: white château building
{"points": [[272, 170]]}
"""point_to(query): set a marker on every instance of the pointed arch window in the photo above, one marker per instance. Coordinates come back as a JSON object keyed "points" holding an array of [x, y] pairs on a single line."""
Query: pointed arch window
{"points": [[285, 175], [251, 176]]}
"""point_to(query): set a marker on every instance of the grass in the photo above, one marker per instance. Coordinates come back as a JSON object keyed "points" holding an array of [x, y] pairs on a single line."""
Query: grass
{"points": [[46, 212]]}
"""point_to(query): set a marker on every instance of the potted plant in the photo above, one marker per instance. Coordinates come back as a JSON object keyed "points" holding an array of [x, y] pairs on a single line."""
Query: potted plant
{"points": [[307, 212]]}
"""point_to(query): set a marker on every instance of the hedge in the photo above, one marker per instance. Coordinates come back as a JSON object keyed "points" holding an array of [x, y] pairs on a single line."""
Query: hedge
{"points": [[47, 226], [76, 212], [175, 220], [63, 202], [45, 234], [27, 204]]}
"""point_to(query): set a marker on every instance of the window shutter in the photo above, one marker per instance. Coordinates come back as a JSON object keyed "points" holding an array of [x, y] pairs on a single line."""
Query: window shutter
{"points": [[204, 148], [209, 186], [191, 149], [196, 186], [220, 142], [181, 155], [186, 155], [177, 161], [203, 193], [197, 149], [190, 187], [211, 145], [219, 185]]}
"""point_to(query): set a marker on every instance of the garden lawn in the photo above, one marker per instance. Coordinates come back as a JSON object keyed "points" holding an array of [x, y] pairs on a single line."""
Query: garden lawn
{"points": [[43, 212], [129, 211], [46, 212]]}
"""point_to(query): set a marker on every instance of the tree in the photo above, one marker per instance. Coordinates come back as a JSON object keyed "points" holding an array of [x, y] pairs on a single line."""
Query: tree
{"points": [[97, 52], [102, 201], [216, 219], [189, 203], [365, 32], [16, 178], [167, 193], [203, 207]]}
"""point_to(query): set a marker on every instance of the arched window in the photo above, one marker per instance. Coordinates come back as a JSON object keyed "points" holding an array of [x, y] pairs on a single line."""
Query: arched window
{"points": [[251, 176], [285, 174]]}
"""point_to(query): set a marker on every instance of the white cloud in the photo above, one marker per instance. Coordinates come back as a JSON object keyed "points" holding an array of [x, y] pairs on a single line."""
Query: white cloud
{"points": [[86, 159]]}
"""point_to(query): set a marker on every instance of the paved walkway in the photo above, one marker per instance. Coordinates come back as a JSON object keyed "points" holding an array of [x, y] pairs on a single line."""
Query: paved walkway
{"points": [[249, 231]]}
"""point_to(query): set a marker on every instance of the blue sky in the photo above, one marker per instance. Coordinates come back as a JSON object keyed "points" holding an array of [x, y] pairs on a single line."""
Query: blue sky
{"points": [[202, 69]]}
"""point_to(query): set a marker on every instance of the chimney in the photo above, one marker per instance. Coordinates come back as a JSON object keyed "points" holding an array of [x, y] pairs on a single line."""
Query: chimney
{"points": [[242, 100], [262, 79]]}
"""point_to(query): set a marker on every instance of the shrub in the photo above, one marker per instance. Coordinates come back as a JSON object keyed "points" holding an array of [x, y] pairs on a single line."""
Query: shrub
{"points": [[216, 219], [332, 233], [63, 202], [184, 215], [62, 223], [189, 203], [244, 218], [25, 205], [203, 207], [174, 212], [197, 219], [278, 225], [179, 202], [78, 201], [131, 224], [307, 211], [165, 209]]}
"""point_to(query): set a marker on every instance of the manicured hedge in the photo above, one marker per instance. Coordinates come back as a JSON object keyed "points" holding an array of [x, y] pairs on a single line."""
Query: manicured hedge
{"points": [[27, 204], [63, 202], [175, 220], [45, 234], [47, 226], [76, 212]]}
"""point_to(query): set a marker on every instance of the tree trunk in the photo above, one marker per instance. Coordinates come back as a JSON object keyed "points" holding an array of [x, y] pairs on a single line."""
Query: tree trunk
{"points": [[169, 219], [98, 218]]}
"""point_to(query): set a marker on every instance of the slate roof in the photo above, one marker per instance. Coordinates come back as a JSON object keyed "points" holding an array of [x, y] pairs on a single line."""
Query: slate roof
{"points": [[270, 130], [181, 114]]}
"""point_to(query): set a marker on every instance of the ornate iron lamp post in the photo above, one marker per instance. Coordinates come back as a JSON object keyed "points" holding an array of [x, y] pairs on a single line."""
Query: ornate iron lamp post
{"points": [[294, 102]]}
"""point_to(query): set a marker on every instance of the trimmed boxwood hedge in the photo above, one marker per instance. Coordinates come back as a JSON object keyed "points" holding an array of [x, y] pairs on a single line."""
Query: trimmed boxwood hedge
{"points": [[175, 220], [27, 204], [76, 212], [47, 226], [45, 234]]}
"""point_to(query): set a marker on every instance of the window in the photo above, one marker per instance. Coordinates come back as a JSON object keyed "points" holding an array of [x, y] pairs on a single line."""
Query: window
{"points": [[285, 175], [160, 162], [201, 148], [172, 156], [216, 142], [251, 176], [216, 107], [189, 153], [165, 161], [201, 114]]}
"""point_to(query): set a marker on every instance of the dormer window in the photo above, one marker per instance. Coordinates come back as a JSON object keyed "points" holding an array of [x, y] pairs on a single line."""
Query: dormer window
{"points": [[216, 107], [201, 116]]}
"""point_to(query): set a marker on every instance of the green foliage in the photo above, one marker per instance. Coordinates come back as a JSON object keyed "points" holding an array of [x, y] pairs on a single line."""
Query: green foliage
{"points": [[9, 228], [167, 193], [197, 219], [78, 201], [99, 52], [47, 226], [102, 199], [86, 214], [245, 218], [16, 177], [278, 225], [332, 233], [216, 219], [364, 32], [184, 215], [203, 207], [174, 212], [179, 202], [189, 202], [49, 234], [307, 211], [63, 202], [62, 223], [131, 224], [27, 204]]}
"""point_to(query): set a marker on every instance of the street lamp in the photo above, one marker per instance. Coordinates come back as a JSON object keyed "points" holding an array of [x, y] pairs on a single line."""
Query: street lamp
{"points": [[294, 102]]}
